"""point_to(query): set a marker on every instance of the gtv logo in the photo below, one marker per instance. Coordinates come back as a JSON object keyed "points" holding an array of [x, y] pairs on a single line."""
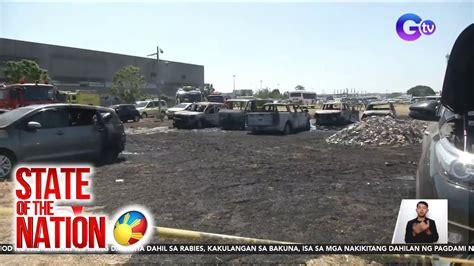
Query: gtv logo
{"points": [[426, 27]]}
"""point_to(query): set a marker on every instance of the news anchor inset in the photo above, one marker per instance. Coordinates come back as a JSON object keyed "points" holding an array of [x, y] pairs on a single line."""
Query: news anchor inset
{"points": [[421, 229]]}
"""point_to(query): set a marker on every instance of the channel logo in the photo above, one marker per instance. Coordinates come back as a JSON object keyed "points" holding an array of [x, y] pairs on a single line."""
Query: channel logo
{"points": [[130, 228], [426, 27]]}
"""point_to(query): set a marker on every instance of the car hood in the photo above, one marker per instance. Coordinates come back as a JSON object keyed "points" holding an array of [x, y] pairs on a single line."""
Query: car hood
{"points": [[327, 112], [173, 109], [188, 113], [458, 85], [377, 112]]}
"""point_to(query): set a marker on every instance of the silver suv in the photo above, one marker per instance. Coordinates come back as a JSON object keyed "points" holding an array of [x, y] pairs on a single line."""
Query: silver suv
{"points": [[56, 131]]}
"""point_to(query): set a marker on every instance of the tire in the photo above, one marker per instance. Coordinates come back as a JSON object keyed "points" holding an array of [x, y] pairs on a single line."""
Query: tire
{"points": [[7, 162], [144, 115], [287, 129], [109, 155], [136, 118]]}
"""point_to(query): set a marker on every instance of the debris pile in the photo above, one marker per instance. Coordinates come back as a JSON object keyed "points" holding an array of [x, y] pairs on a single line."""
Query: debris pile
{"points": [[378, 130]]}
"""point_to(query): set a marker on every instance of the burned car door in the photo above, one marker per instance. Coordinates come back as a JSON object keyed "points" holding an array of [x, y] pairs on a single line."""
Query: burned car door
{"points": [[212, 115]]}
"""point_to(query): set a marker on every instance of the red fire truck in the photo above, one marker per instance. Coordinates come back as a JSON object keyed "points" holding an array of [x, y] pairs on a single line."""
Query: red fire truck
{"points": [[22, 94]]}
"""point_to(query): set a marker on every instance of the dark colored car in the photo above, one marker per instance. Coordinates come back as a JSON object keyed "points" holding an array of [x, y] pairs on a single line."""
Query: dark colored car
{"points": [[59, 131], [446, 168], [126, 112]]}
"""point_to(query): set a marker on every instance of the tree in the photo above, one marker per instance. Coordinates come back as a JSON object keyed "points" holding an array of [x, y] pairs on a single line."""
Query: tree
{"points": [[25, 70], [207, 89], [394, 95], [299, 88], [267, 93], [421, 90], [128, 84]]}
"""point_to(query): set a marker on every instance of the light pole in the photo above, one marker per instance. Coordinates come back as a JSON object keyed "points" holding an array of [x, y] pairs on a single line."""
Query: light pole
{"points": [[158, 51], [234, 83]]}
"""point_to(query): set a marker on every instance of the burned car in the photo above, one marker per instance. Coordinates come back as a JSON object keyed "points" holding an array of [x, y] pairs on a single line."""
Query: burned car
{"points": [[379, 109], [179, 107], [198, 115], [277, 117], [235, 114], [446, 168], [336, 113]]}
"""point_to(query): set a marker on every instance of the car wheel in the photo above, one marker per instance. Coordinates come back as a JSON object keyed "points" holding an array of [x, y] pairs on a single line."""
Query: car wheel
{"points": [[144, 115], [287, 129], [109, 155], [7, 162], [136, 118]]}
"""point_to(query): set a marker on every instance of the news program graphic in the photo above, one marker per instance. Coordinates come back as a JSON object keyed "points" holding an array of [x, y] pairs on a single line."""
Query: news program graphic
{"points": [[40, 224], [426, 27], [422, 221], [130, 228]]}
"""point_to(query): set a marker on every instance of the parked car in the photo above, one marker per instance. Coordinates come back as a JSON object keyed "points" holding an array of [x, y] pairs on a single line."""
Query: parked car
{"points": [[179, 107], [234, 116], [336, 113], [126, 112], [198, 115], [379, 109], [446, 167], [3, 111], [151, 108], [277, 117], [57, 131]]}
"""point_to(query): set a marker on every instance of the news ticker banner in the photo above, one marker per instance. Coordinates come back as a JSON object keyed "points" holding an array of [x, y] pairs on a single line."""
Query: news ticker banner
{"points": [[286, 249]]}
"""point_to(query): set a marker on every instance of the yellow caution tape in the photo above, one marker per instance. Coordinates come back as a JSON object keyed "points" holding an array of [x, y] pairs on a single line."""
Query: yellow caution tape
{"points": [[5, 211]]}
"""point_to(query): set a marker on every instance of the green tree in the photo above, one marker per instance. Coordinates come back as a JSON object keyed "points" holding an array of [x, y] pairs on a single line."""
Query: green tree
{"points": [[394, 95], [421, 90], [299, 88], [24, 70], [128, 84]]}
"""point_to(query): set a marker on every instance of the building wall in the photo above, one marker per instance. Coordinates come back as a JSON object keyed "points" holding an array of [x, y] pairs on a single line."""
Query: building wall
{"points": [[73, 68]]}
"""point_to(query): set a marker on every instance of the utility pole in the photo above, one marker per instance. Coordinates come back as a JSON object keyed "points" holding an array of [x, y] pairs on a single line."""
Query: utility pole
{"points": [[234, 84], [260, 84], [157, 81]]}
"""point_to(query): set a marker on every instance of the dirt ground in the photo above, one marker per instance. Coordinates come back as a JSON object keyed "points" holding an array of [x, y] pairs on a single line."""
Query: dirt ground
{"points": [[293, 188]]}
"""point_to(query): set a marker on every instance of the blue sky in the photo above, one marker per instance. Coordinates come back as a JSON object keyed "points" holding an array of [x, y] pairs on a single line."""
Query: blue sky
{"points": [[323, 46]]}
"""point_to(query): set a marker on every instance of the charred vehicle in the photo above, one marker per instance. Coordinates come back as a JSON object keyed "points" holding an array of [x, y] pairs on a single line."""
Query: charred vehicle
{"points": [[198, 115], [446, 168], [179, 107], [275, 117], [336, 113], [234, 116], [379, 109]]}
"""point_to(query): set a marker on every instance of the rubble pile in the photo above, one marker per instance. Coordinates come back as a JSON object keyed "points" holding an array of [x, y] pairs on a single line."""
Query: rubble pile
{"points": [[378, 130]]}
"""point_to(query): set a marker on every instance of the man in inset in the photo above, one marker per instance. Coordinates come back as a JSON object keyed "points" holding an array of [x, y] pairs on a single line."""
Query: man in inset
{"points": [[421, 229]]}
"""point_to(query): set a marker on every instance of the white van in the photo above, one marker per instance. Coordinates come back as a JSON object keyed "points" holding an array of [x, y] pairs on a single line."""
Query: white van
{"points": [[302, 97]]}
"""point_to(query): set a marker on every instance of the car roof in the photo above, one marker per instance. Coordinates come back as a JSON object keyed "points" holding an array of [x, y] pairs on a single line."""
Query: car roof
{"points": [[207, 103], [84, 106], [379, 103]]}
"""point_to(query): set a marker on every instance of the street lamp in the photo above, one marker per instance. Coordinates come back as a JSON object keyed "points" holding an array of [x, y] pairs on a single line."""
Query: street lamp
{"points": [[158, 52], [234, 83]]}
